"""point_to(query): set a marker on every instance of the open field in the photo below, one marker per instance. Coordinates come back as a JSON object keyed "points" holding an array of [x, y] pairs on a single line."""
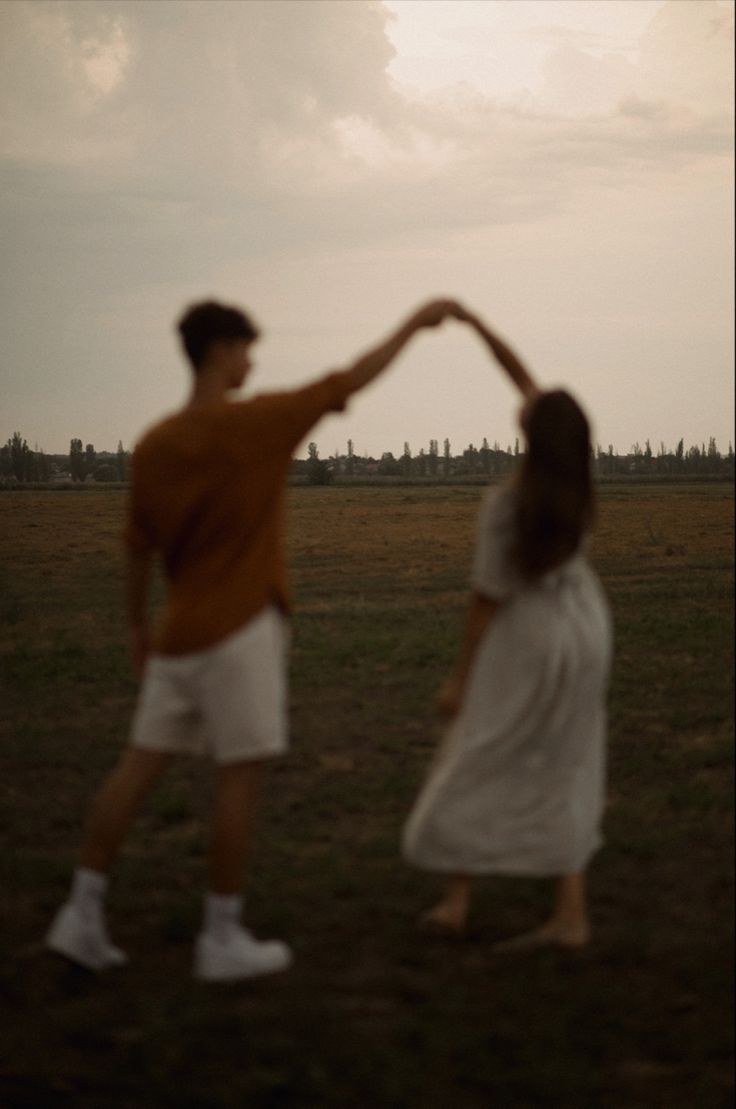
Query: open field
{"points": [[372, 1014]]}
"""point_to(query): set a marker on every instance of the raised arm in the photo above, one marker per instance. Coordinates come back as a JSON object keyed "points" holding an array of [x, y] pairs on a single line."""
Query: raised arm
{"points": [[516, 370], [374, 361]]}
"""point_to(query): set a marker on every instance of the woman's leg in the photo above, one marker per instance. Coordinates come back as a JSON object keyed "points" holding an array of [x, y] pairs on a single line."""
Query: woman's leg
{"points": [[451, 911], [569, 925]]}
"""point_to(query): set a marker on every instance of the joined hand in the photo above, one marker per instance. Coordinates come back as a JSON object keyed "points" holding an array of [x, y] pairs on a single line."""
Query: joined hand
{"points": [[433, 313]]}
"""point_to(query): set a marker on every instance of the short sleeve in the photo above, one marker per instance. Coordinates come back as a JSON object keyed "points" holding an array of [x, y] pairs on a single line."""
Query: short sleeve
{"points": [[303, 407], [493, 574]]}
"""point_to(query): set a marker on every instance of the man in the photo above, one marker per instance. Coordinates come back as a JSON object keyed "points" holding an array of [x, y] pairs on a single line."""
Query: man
{"points": [[207, 497]]}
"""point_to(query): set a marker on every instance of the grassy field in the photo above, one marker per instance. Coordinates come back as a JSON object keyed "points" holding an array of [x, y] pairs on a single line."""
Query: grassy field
{"points": [[373, 1014]]}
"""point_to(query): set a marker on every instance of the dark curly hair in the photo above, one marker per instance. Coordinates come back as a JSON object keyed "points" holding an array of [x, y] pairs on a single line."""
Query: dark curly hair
{"points": [[209, 322], [554, 485]]}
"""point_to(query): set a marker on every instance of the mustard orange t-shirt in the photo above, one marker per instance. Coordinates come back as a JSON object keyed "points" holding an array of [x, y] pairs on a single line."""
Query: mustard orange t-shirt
{"points": [[208, 494]]}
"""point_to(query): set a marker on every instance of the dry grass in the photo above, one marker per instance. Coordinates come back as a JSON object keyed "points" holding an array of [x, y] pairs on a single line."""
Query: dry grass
{"points": [[371, 1016]]}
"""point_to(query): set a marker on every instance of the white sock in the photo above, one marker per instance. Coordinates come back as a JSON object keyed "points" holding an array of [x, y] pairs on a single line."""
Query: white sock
{"points": [[221, 914], [88, 892]]}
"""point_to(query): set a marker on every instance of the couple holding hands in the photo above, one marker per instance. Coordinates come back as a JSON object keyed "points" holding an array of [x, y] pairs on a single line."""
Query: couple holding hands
{"points": [[517, 784]]}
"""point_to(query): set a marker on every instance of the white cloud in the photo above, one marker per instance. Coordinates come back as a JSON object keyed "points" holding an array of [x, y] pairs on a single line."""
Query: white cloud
{"points": [[262, 103], [155, 150]]}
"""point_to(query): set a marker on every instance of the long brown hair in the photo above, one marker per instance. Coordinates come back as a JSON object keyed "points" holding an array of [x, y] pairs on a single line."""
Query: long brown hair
{"points": [[555, 500]]}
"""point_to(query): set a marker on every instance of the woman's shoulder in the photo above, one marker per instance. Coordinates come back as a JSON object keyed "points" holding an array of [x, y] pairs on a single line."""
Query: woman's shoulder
{"points": [[493, 571], [498, 508]]}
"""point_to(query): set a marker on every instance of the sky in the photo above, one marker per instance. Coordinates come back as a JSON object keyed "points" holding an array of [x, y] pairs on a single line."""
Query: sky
{"points": [[563, 167]]}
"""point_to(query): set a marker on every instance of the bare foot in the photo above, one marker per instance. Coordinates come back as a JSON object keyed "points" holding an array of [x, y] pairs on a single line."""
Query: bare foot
{"points": [[444, 918], [570, 937]]}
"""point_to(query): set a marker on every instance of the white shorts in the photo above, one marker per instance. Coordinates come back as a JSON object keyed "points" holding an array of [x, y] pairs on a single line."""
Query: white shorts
{"points": [[229, 700]]}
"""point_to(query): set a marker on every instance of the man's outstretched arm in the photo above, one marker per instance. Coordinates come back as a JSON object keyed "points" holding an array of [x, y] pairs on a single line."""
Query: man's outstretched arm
{"points": [[371, 364]]}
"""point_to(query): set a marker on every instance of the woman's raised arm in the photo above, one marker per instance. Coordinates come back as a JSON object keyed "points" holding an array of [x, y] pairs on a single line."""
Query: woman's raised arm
{"points": [[516, 369]]}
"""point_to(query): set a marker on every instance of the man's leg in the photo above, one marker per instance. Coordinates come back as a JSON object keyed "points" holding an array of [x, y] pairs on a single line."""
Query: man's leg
{"points": [[233, 820], [116, 804], [225, 950], [78, 930]]}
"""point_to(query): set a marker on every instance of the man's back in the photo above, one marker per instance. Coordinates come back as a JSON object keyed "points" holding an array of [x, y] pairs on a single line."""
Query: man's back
{"points": [[208, 495]]}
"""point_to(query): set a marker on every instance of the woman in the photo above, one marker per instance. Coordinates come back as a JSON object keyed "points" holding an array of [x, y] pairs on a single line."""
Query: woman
{"points": [[517, 786]]}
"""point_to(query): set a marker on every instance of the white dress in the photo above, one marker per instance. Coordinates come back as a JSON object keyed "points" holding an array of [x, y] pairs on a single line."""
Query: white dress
{"points": [[517, 785]]}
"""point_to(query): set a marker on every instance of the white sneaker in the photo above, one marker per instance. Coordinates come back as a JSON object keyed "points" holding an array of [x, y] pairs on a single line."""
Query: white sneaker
{"points": [[241, 955], [76, 937]]}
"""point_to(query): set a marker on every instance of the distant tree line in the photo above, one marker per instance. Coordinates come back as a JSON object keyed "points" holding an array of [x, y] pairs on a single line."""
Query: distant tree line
{"points": [[21, 464], [495, 461], [643, 460]]}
